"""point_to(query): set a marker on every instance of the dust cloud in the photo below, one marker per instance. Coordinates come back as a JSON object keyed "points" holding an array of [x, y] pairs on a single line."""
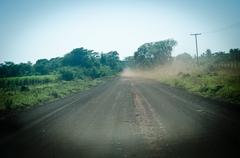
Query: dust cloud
{"points": [[162, 71]]}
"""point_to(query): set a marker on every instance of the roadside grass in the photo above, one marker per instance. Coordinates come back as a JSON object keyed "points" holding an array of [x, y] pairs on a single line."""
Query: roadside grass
{"points": [[12, 82], [21, 98], [218, 85]]}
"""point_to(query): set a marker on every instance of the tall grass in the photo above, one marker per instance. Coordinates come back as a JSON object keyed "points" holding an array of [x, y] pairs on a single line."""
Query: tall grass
{"points": [[12, 82], [217, 83], [19, 99]]}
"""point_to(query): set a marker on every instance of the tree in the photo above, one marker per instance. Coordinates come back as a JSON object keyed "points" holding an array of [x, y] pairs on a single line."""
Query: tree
{"points": [[235, 54], [55, 63], [154, 53], [185, 57], [111, 59], [79, 63], [80, 57], [42, 66], [208, 53], [25, 69], [66, 74], [129, 61]]}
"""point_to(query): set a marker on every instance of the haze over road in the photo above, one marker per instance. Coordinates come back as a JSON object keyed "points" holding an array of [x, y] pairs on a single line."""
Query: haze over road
{"points": [[126, 117]]}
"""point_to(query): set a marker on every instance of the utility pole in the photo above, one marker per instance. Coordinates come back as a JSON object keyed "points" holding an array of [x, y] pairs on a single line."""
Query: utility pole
{"points": [[195, 35]]}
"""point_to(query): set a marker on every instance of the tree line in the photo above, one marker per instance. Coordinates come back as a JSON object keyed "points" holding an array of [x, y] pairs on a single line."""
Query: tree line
{"points": [[82, 63], [152, 54], [221, 59], [158, 53], [79, 63]]}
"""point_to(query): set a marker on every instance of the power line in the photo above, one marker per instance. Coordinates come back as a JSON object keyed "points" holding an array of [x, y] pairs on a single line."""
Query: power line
{"points": [[195, 35], [228, 27]]}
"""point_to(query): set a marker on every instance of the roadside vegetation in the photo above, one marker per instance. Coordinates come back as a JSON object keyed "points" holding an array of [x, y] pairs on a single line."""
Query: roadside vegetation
{"points": [[25, 85], [217, 75], [21, 98]]}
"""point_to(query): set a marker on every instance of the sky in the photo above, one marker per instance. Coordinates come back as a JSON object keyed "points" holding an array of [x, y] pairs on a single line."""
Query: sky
{"points": [[37, 29]]}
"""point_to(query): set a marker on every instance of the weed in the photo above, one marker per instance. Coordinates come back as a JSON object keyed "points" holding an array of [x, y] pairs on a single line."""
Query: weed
{"points": [[28, 96]]}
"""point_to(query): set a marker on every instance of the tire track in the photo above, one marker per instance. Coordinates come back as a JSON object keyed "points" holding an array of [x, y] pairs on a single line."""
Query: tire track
{"points": [[148, 123]]}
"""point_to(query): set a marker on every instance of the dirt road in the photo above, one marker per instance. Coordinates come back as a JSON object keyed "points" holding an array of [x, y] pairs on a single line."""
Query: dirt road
{"points": [[126, 117]]}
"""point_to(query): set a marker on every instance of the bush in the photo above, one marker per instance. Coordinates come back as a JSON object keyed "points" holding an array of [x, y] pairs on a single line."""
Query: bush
{"points": [[24, 88], [8, 104], [66, 75], [98, 72], [178, 84], [216, 88], [203, 89], [55, 94]]}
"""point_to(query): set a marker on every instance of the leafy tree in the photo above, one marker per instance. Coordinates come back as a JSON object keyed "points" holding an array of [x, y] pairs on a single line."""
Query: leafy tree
{"points": [[105, 71], [55, 63], [112, 60], [9, 69], [42, 67], [25, 69], [79, 63], [235, 54], [80, 57], [66, 74], [129, 61], [154, 53], [208, 53], [185, 57]]}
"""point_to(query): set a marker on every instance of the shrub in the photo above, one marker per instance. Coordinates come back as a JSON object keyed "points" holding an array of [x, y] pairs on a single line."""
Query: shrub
{"points": [[203, 89], [216, 88], [178, 84], [8, 104], [66, 75], [24, 88], [55, 94]]}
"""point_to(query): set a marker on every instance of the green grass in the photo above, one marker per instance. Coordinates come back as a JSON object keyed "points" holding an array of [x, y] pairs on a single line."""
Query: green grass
{"points": [[19, 98], [220, 86], [12, 82]]}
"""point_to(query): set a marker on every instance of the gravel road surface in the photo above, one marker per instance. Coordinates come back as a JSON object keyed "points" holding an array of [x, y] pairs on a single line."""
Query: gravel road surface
{"points": [[125, 117]]}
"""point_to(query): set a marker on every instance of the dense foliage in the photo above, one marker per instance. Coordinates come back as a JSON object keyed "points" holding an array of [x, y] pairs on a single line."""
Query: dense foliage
{"points": [[216, 75], [221, 59], [158, 53], [209, 61], [154, 53], [79, 63]]}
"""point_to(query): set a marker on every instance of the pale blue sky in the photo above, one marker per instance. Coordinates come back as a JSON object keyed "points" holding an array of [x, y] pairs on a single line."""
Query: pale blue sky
{"points": [[34, 29]]}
